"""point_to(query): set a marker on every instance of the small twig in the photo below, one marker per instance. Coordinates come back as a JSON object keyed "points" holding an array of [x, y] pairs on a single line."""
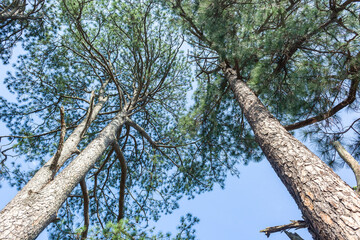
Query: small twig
{"points": [[293, 224]]}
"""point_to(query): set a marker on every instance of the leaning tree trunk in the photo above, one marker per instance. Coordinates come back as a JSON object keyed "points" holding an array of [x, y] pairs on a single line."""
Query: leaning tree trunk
{"points": [[26, 216], [329, 206], [353, 164], [45, 174]]}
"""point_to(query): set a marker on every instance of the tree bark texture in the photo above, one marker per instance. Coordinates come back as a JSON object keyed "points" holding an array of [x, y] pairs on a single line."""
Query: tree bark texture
{"points": [[28, 214], [329, 206]]}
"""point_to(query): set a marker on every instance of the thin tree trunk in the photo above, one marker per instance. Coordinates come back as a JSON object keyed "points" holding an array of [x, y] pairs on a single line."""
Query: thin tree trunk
{"points": [[86, 208], [123, 165], [26, 216], [353, 164], [329, 206]]}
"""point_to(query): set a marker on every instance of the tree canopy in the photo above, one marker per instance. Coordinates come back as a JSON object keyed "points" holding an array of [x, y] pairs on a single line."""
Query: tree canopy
{"points": [[299, 57], [96, 59]]}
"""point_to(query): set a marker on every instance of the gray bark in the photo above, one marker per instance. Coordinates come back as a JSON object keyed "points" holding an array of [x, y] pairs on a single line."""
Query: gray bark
{"points": [[30, 212], [329, 206]]}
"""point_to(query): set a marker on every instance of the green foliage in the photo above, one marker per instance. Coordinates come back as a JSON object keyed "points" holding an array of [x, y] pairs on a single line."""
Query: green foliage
{"points": [[22, 24], [137, 46], [224, 137], [297, 56], [125, 230]]}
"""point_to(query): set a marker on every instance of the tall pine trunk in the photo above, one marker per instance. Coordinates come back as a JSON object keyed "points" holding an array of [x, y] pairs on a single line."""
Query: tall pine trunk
{"points": [[329, 206], [26, 216]]}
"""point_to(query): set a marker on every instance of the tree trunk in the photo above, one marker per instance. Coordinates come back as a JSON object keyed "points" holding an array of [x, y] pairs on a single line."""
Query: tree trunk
{"points": [[44, 175], [353, 164], [26, 216], [329, 206]]}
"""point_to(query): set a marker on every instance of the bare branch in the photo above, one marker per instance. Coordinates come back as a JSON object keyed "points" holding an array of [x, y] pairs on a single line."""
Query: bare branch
{"points": [[89, 115], [149, 139], [86, 208], [294, 224], [121, 158], [76, 98], [54, 164]]}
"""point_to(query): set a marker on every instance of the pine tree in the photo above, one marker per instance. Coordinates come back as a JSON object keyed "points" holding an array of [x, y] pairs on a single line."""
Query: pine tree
{"points": [[119, 82], [296, 59]]}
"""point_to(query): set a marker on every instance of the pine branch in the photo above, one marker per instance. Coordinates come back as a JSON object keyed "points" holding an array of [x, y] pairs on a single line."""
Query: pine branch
{"points": [[350, 99]]}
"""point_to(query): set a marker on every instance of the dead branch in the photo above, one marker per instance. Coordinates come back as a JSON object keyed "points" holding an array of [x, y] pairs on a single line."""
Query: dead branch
{"points": [[294, 224]]}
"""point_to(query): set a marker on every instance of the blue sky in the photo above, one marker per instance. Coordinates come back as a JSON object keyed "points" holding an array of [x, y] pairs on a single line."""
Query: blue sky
{"points": [[248, 204]]}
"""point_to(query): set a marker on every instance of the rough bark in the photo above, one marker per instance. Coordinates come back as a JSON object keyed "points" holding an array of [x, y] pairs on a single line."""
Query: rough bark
{"points": [[26, 216], [329, 206], [353, 164]]}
